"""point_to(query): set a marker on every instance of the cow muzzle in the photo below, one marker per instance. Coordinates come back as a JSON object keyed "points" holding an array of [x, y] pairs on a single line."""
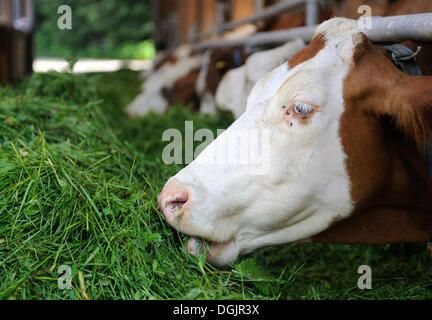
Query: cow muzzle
{"points": [[175, 202]]}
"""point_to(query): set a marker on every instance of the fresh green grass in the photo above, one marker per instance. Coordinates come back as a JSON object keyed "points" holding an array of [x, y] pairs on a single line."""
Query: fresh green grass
{"points": [[78, 187]]}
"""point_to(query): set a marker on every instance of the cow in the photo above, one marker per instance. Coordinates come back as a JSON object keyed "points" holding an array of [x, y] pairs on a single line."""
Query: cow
{"points": [[158, 87], [216, 64], [236, 85], [175, 77], [345, 156]]}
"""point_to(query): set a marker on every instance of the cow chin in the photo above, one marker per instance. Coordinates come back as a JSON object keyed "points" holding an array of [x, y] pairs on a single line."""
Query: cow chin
{"points": [[218, 254]]}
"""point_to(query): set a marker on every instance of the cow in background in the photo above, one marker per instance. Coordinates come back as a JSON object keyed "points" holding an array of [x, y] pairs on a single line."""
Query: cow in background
{"points": [[216, 64], [174, 77], [158, 87]]}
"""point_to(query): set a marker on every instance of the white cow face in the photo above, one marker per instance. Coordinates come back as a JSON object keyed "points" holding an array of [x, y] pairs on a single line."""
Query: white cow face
{"points": [[304, 185]]}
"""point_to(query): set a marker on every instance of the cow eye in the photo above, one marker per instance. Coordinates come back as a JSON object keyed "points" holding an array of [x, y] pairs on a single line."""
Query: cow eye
{"points": [[302, 107]]}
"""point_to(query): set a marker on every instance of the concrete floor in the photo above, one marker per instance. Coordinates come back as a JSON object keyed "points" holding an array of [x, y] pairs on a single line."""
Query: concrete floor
{"points": [[42, 64]]}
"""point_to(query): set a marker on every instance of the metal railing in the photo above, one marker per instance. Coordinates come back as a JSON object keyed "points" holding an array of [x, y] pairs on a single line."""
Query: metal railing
{"points": [[383, 29]]}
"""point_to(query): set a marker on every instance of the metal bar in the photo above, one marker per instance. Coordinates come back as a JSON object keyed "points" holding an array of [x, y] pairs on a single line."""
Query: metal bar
{"points": [[16, 10], [312, 12], [383, 29], [397, 28]]}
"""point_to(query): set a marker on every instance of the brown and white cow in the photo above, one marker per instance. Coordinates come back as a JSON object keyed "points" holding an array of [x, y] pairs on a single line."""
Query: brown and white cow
{"points": [[188, 89], [165, 84], [345, 154], [216, 64]]}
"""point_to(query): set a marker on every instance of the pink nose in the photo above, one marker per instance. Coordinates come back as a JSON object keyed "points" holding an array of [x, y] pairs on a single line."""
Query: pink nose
{"points": [[173, 201]]}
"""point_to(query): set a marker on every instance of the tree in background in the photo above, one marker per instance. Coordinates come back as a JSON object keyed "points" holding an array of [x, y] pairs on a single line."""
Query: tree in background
{"points": [[100, 28]]}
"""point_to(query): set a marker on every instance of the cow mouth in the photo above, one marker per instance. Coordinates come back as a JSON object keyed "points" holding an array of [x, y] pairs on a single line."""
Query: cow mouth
{"points": [[174, 205], [213, 250]]}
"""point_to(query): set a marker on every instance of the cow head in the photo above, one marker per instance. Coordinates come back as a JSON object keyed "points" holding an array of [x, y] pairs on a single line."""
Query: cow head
{"points": [[172, 80], [216, 64], [221, 61], [342, 123], [183, 90]]}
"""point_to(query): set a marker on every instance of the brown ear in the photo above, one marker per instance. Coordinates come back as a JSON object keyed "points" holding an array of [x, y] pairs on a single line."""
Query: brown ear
{"points": [[384, 90], [413, 109]]}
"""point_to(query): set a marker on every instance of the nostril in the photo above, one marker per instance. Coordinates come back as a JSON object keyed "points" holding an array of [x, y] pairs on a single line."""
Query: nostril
{"points": [[179, 203], [175, 202]]}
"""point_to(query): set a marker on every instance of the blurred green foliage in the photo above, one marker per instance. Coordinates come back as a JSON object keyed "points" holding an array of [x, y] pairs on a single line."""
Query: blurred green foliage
{"points": [[100, 29]]}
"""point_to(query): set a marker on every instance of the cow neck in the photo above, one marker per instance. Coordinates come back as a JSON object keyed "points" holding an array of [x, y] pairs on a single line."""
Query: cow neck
{"points": [[378, 225], [404, 58]]}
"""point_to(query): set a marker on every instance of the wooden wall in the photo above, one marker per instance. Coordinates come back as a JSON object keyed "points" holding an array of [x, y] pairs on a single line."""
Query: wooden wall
{"points": [[181, 21], [5, 12], [16, 46], [188, 20], [208, 16], [242, 9]]}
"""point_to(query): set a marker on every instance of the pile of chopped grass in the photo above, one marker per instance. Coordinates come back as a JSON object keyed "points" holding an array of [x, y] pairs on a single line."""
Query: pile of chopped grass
{"points": [[78, 188]]}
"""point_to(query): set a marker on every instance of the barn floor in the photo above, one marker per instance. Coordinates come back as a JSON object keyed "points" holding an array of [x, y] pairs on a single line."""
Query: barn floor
{"points": [[78, 187]]}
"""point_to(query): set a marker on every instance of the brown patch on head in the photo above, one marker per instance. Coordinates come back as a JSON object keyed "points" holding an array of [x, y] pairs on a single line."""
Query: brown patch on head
{"points": [[316, 45], [221, 61], [183, 90], [387, 116]]}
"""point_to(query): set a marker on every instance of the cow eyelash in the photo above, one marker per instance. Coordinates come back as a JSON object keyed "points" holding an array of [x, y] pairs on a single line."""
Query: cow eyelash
{"points": [[302, 107]]}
